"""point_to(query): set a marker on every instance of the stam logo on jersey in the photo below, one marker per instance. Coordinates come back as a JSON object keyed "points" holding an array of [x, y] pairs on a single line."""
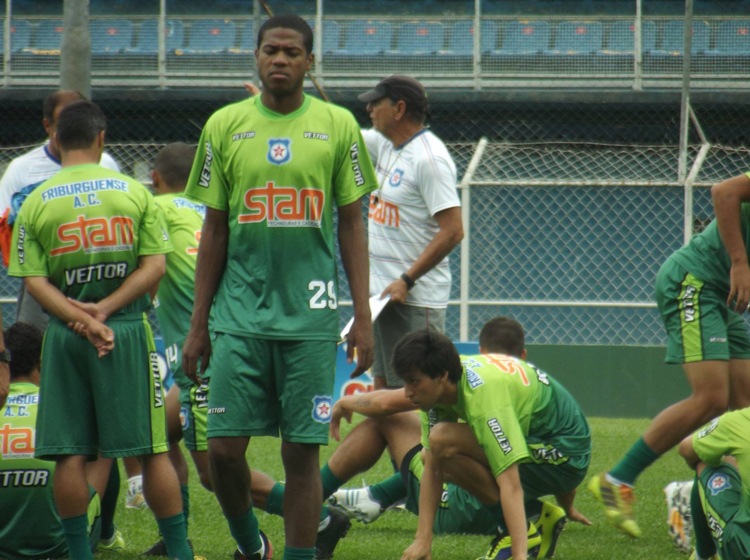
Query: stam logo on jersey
{"points": [[279, 151], [283, 206], [95, 235]]}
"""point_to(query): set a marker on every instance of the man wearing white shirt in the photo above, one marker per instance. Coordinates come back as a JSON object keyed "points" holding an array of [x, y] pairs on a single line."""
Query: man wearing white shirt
{"points": [[28, 171], [414, 217]]}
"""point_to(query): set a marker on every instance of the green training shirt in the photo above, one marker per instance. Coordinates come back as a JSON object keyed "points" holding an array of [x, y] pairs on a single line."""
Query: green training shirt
{"points": [[706, 258], [517, 412], [278, 176], [174, 299], [85, 229], [29, 524]]}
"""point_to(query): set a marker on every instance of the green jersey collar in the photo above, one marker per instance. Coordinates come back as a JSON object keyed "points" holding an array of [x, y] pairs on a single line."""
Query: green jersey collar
{"points": [[268, 113]]}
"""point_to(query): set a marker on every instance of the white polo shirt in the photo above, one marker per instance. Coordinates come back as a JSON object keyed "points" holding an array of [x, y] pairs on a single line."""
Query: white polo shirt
{"points": [[417, 181], [31, 169]]}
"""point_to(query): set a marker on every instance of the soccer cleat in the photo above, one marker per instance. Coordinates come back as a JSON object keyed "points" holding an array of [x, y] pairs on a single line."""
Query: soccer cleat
{"points": [[500, 547], [357, 504], [618, 503], [134, 496], [694, 556], [159, 548], [679, 518], [329, 537], [115, 543], [550, 525], [266, 553]]}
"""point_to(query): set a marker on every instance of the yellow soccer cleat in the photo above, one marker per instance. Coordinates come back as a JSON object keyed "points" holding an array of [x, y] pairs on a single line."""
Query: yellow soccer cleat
{"points": [[694, 556], [115, 543], [550, 525], [618, 504], [500, 548]]}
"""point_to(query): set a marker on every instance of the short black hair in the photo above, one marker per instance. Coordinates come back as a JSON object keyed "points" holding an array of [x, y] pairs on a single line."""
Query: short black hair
{"points": [[288, 21], [502, 335], [24, 341], [173, 162], [53, 100], [429, 352], [79, 124]]}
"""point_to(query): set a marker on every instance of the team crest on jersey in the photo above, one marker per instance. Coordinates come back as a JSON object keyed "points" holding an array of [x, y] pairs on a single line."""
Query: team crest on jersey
{"points": [[396, 177], [321, 411], [184, 418], [718, 483], [279, 151]]}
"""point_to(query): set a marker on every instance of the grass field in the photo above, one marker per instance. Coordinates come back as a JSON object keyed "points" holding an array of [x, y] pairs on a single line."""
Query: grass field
{"points": [[392, 533]]}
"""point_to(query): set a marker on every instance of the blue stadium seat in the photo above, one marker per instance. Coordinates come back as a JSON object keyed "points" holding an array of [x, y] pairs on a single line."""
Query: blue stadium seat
{"points": [[366, 38], [732, 38], [577, 38], [20, 35], [147, 42], [210, 37], [524, 38], [331, 34], [48, 38], [419, 39], [619, 51], [110, 36], [246, 46], [672, 38], [461, 40]]}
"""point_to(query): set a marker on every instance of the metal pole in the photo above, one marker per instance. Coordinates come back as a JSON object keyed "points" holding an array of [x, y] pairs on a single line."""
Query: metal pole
{"points": [[477, 48], [685, 122], [75, 50], [464, 186], [638, 46], [318, 39], [257, 12], [161, 44], [6, 41]]}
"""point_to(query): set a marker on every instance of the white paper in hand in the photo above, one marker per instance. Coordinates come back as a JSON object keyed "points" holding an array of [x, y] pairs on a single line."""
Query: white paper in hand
{"points": [[376, 307]]}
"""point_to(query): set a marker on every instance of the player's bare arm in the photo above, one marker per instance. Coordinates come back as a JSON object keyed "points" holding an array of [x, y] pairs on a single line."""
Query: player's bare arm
{"points": [[372, 404], [209, 268], [565, 501], [511, 499], [430, 489], [353, 244], [728, 197], [55, 303], [450, 234]]}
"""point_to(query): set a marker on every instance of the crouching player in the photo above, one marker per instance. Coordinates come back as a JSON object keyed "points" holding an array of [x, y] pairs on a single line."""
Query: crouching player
{"points": [[720, 499]]}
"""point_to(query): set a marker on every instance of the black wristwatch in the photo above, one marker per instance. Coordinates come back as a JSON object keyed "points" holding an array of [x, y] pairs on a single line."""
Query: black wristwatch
{"points": [[5, 356], [408, 281]]}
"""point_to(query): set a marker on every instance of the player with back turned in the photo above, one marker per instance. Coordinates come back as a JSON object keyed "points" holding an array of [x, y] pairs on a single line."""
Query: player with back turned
{"points": [[90, 244], [270, 169]]}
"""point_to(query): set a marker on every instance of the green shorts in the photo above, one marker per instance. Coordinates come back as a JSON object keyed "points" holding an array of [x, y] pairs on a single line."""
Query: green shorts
{"points": [[194, 415], [113, 405], [699, 324], [263, 387], [721, 493], [396, 321]]}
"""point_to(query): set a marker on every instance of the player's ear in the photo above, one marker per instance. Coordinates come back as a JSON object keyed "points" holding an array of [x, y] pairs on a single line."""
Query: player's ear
{"points": [[523, 355], [310, 61]]}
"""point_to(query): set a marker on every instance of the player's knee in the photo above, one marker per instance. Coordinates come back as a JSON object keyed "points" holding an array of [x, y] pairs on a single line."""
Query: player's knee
{"points": [[222, 455], [442, 443], [713, 404], [205, 478]]}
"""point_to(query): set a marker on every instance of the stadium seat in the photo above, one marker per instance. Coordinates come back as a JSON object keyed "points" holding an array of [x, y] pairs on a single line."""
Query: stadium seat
{"points": [[577, 38], [672, 39], [461, 40], [110, 36], [20, 35], [246, 46], [147, 42], [732, 47], [210, 37], [366, 38], [48, 38], [521, 47], [418, 39], [331, 34], [619, 52]]}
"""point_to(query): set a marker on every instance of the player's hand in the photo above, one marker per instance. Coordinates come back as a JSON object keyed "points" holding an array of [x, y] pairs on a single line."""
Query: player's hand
{"points": [[90, 308], [739, 287], [397, 290], [251, 88], [101, 336], [338, 412], [360, 337], [197, 347], [418, 550], [574, 515]]}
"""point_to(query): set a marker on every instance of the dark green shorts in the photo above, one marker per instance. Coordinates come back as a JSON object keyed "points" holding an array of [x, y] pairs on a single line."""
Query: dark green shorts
{"points": [[113, 405], [699, 324], [194, 415], [263, 387], [721, 494]]}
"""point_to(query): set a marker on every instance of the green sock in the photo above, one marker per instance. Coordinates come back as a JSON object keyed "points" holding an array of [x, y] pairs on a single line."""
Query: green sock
{"points": [[636, 460], [173, 532], [389, 491], [704, 542], [185, 503], [245, 531], [109, 502], [76, 531], [496, 510], [291, 553], [331, 482], [275, 500]]}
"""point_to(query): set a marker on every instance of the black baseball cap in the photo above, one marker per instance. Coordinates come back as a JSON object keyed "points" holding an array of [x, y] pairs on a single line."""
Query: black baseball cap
{"points": [[399, 88]]}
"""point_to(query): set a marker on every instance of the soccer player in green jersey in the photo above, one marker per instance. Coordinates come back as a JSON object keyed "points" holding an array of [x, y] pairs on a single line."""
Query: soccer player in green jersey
{"points": [[270, 169], [29, 524], [720, 499], [518, 423], [701, 291], [90, 244]]}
